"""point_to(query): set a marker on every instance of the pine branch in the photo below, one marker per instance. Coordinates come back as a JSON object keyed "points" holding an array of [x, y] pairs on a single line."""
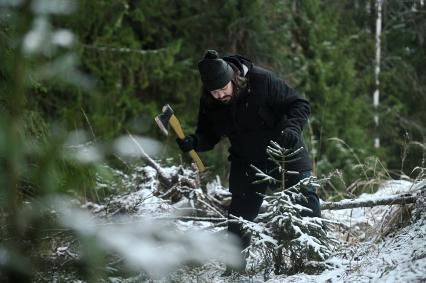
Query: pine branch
{"points": [[263, 177], [274, 153], [353, 203], [293, 153]]}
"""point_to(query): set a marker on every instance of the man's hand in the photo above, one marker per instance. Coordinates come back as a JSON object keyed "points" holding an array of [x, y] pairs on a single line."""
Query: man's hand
{"points": [[188, 143], [288, 139]]}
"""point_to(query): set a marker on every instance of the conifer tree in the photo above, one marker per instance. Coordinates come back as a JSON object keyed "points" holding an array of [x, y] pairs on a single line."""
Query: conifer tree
{"points": [[328, 78], [283, 235]]}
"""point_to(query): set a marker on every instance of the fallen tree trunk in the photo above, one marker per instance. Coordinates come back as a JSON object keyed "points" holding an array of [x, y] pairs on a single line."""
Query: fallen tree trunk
{"points": [[343, 204], [354, 203], [189, 218]]}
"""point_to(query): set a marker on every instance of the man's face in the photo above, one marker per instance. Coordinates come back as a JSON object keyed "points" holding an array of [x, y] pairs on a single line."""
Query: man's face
{"points": [[223, 94]]}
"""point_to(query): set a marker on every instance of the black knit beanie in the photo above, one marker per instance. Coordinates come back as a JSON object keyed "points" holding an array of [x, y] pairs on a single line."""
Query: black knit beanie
{"points": [[215, 72]]}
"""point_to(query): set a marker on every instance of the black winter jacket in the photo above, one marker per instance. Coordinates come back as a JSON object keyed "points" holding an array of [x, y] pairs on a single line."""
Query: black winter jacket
{"points": [[258, 115]]}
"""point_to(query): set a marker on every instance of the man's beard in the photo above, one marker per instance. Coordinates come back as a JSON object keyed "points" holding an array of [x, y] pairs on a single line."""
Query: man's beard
{"points": [[227, 101], [232, 98]]}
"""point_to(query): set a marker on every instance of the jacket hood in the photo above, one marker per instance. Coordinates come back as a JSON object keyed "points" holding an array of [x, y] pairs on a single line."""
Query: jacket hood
{"points": [[239, 61]]}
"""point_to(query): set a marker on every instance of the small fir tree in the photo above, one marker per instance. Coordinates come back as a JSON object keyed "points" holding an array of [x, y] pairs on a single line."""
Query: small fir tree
{"points": [[290, 241]]}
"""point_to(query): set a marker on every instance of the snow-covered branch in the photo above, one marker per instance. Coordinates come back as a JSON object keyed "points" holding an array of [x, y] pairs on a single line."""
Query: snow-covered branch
{"points": [[353, 203]]}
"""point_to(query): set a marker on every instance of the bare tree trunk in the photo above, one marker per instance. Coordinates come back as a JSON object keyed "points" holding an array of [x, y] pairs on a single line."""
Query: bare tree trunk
{"points": [[376, 95]]}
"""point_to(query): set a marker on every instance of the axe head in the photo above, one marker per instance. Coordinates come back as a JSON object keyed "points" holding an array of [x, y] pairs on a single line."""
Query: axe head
{"points": [[163, 118]]}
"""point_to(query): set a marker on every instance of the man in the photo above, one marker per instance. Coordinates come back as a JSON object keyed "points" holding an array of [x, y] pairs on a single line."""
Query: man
{"points": [[250, 106]]}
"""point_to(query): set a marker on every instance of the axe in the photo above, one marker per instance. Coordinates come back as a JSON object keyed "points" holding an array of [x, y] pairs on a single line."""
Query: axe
{"points": [[167, 117]]}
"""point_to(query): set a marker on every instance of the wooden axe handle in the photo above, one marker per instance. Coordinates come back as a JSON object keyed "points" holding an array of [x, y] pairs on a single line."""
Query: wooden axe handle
{"points": [[197, 160], [174, 122]]}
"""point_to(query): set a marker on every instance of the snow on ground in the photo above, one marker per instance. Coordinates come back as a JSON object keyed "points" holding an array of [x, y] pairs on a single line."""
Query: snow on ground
{"points": [[370, 216], [399, 257], [374, 247]]}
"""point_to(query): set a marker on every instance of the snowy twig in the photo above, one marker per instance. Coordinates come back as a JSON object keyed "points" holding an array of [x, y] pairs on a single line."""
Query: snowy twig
{"points": [[263, 177], [211, 207], [148, 158], [157, 167]]}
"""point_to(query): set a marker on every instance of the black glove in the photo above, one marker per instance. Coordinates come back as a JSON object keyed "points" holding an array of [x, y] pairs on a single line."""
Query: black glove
{"points": [[288, 139], [188, 143]]}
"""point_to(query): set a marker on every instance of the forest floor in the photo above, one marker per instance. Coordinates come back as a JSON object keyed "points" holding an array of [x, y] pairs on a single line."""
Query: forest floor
{"points": [[378, 244]]}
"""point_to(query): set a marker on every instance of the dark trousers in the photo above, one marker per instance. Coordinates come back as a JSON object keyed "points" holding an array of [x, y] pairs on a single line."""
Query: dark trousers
{"points": [[247, 205]]}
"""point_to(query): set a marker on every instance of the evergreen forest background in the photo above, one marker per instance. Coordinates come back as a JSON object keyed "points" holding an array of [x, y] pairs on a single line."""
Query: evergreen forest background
{"points": [[126, 59]]}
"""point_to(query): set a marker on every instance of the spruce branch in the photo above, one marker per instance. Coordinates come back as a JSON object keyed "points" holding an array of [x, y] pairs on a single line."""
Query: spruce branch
{"points": [[288, 239], [263, 177]]}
